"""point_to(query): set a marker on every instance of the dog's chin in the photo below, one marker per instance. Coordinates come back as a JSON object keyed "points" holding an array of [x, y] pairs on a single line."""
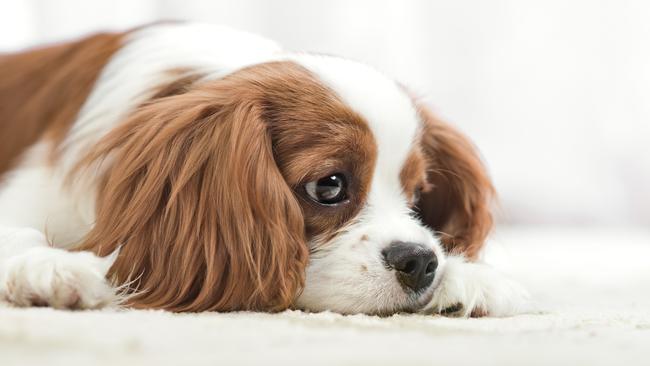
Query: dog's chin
{"points": [[416, 302], [407, 303], [419, 301], [422, 300]]}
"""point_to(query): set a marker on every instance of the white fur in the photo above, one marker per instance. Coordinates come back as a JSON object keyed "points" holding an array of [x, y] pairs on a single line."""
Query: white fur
{"points": [[32, 196], [33, 273], [346, 274], [477, 287]]}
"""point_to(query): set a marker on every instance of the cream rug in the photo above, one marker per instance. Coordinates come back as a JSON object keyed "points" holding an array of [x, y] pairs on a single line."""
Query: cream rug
{"points": [[592, 286]]}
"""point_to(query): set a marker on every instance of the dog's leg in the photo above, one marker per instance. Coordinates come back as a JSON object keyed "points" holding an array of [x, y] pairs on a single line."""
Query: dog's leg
{"points": [[33, 273], [477, 289]]}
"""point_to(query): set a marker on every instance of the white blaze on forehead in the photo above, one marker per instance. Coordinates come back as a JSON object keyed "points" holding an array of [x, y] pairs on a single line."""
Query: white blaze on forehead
{"points": [[387, 109]]}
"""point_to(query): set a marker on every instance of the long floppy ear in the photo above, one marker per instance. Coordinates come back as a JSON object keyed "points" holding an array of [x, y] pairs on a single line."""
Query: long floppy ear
{"points": [[458, 199], [193, 199]]}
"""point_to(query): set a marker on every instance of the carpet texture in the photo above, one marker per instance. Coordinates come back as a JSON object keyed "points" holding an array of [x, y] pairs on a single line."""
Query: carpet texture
{"points": [[592, 288]]}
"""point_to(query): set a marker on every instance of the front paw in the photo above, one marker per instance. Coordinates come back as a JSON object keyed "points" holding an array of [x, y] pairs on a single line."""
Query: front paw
{"points": [[476, 290], [52, 277]]}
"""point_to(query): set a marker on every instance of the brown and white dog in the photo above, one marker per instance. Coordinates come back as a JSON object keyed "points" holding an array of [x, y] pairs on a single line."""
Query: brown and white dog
{"points": [[192, 167]]}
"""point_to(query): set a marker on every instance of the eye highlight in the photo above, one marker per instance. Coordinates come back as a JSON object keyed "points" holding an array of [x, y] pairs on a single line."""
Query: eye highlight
{"points": [[328, 190]]}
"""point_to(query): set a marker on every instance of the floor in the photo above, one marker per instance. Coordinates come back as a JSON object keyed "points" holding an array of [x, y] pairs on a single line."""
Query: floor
{"points": [[592, 288]]}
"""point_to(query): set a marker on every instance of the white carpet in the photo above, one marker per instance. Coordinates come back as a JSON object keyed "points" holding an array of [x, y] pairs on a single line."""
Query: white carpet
{"points": [[593, 287]]}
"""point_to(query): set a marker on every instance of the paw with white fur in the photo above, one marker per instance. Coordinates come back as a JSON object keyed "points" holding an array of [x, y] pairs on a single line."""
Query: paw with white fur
{"points": [[477, 289], [45, 276]]}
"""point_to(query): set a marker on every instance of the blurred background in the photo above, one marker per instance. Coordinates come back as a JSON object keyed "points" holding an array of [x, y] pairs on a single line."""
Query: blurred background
{"points": [[555, 93]]}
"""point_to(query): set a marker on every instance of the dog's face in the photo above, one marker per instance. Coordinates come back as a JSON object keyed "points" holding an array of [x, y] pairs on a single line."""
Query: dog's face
{"points": [[350, 148], [312, 182]]}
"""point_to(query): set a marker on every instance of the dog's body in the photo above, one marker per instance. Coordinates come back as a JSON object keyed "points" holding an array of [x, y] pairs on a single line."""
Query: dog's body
{"points": [[202, 168]]}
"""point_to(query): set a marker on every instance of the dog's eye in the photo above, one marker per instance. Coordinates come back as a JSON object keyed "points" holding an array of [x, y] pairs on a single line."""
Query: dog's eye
{"points": [[328, 190]]}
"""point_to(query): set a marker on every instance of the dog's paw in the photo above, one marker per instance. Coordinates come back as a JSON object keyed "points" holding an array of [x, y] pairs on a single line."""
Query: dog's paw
{"points": [[46, 276], [475, 290]]}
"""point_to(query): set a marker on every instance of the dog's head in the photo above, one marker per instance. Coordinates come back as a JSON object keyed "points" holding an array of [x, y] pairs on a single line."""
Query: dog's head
{"points": [[312, 182]]}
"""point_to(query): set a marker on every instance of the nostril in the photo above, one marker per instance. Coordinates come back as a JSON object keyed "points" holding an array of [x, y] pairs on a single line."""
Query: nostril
{"points": [[431, 267]]}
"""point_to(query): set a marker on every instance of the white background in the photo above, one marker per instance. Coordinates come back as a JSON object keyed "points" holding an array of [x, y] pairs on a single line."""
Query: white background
{"points": [[556, 93]]}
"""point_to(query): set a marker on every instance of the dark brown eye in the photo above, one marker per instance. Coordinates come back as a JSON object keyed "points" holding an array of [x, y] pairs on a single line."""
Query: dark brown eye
{"points": [[328, 190]]}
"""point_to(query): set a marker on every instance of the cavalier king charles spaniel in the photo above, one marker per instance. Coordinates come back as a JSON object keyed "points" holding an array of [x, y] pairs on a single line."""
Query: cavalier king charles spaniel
{"points": [[191, 167]]}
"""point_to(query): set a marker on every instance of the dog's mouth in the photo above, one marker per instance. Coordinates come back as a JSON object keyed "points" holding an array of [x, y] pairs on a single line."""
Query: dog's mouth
{"points": [[417, 303], [420, 300], [424, 299]]}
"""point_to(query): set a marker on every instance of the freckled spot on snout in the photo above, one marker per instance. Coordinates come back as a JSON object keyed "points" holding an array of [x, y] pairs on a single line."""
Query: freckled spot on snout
{"points": [[364, 238], [364, 268]]}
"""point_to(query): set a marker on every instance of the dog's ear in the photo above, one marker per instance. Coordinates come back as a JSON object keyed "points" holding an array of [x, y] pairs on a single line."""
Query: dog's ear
{"points": [[457, 202], [192, 197]]}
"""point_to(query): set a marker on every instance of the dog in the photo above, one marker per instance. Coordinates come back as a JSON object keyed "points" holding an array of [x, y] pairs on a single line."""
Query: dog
{"points": [[192, 167]]}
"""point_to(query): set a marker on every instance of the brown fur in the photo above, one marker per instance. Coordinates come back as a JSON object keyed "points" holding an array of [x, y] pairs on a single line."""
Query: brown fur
{"points": [[42, 90], [456, 201], [414, 174], [315, 135], [182, 81], [202, 188]]}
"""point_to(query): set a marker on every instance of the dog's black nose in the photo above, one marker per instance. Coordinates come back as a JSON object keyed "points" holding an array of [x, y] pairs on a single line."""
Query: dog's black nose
{"points": [[414, 263]]}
